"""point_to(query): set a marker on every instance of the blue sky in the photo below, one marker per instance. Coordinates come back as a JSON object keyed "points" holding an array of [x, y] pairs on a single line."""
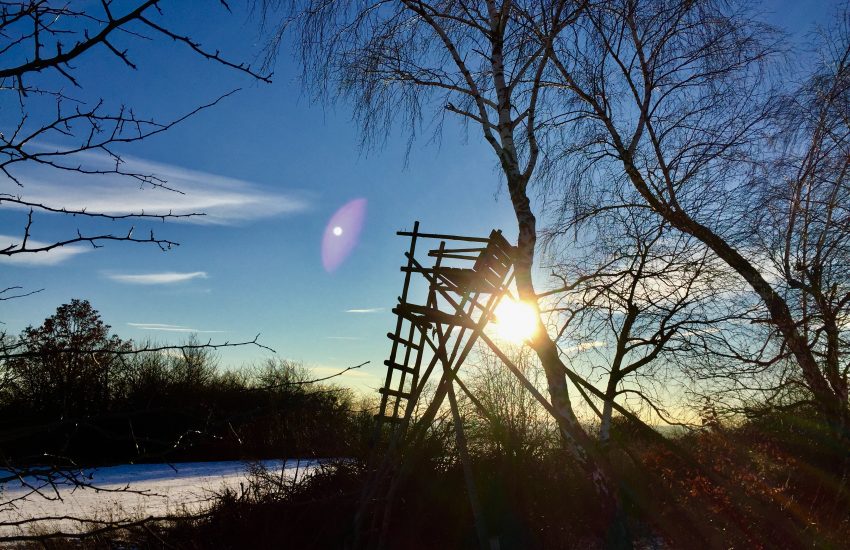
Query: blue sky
{"points": [[270, 168]]}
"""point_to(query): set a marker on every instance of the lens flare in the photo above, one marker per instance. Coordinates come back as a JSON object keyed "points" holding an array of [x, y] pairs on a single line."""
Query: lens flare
{"points": [[341, 233], [515, 321]]}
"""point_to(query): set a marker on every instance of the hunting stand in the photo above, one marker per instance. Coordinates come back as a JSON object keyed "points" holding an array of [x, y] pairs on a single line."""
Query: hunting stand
{"points": [[462, 285]]}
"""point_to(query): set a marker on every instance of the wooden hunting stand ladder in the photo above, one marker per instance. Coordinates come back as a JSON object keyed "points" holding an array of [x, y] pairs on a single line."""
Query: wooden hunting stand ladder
{"points": [[464, 286]]}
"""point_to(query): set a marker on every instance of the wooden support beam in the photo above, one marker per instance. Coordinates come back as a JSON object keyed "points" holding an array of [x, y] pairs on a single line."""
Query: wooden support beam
{"points": [[468, 474], [457, 251], [442, 237]]}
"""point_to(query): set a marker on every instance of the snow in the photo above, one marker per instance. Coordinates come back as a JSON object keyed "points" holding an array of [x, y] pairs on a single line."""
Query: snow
{"points": [[167, 489]]}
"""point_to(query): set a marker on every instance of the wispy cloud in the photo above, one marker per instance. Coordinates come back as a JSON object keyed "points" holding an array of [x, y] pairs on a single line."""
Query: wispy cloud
{"points": [[164, 278], [223, 200], [170, 328], [365, 310], [35, 259]]}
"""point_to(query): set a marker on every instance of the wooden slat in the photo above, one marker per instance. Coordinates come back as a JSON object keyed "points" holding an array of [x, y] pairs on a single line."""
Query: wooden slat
{"points": [[395, 393], [499, 270], [492, 263], [436, 252], [427, 314], [495, 257], [417, 320], [467, 280], [397, 366], [443, 237], [454, 256], [402, 341]]}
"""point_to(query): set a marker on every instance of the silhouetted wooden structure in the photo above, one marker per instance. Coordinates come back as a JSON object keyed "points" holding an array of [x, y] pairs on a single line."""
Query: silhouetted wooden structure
{"points": [[460, 281]]}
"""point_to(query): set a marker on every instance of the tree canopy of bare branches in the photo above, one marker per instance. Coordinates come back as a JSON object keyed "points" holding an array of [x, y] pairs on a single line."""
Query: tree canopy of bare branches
{"points": [[634, 301], [676, 101], [53, 125]]}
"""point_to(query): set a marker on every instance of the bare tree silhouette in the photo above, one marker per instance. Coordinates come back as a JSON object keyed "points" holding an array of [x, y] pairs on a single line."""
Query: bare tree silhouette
{"points": [[634, 301], [676, 101], [43, 49]]}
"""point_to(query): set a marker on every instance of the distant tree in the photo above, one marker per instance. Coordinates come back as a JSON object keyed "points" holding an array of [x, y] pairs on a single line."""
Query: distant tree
{"points": [[67, 366], [193, 365], [516, 426], [280, 374], [636, 296]]}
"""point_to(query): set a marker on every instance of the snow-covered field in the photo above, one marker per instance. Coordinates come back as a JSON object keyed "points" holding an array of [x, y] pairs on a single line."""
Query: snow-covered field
{"points": [[154, 490]]}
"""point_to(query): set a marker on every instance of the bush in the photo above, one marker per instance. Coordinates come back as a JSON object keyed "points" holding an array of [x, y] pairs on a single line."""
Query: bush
{"points": [[69, 395]]}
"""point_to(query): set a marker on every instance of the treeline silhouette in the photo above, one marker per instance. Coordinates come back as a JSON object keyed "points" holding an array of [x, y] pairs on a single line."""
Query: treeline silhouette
{"points": [[776, 479], [768, 482], [74, 392]]}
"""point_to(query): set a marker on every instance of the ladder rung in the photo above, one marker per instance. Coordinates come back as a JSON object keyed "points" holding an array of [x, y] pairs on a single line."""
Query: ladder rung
{"points": [[409, 370], [424, 314], [396, 393], [403, 342], [417, 320]]}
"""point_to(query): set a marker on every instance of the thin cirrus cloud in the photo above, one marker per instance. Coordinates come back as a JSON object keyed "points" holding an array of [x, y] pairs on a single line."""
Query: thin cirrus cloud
{"points": [[170, 328], [38, 259], [365, 310], [163, 278], [223, 200]]}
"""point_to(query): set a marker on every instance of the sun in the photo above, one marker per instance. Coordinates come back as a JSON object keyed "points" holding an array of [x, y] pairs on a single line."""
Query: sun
{"points": [[515, 321]]}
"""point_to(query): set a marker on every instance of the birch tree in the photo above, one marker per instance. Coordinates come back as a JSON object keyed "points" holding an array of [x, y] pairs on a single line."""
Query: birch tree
{"points": [[484, 62], [674, 100]]}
